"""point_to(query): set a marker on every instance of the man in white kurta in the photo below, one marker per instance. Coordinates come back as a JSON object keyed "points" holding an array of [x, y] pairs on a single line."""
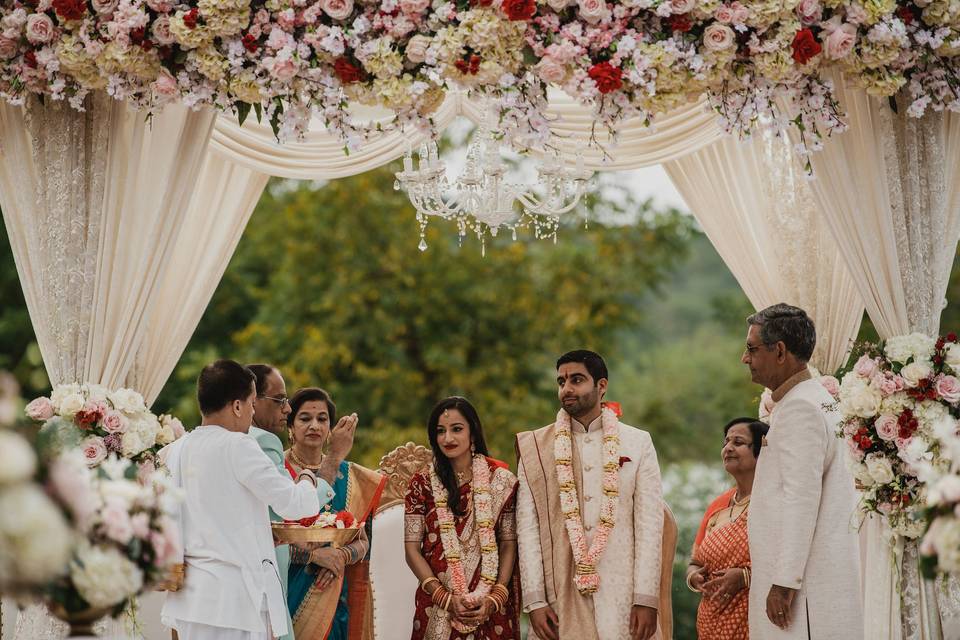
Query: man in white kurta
{"points": [[803, 544], [629, 569], [232, 589]]}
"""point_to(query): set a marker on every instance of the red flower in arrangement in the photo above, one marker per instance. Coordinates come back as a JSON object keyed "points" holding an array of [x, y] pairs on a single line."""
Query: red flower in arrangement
{"points": [[250, 43], [608, 77], [346, 518], [907, 424], [481, 3], [305, 522], [88, 419], [951, 337], [346, 72], [519, 9], [905, 14], [805, 46], [613, 406], [31, 59], [925, 390], [190, 18], [70, 9], [624, 460], [680, 22], [468, 66]]}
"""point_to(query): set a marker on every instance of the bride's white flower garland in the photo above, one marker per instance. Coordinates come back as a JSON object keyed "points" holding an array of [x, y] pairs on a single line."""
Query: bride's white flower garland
{"points": [[452, 550], [586, 578]]}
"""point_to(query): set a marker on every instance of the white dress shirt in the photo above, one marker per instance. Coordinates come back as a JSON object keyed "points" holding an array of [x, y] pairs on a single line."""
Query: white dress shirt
{"points": [[231, 570]]}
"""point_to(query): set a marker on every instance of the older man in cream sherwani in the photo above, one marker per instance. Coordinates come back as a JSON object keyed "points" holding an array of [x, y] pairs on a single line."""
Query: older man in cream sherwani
{"points": [[625, 605], [803, 545]]}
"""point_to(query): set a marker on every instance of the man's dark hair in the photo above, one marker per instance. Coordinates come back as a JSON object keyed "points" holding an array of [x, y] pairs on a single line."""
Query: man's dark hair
{"points": [[789, 325], [758, 429], [594, 364], [262, 372], [222, 382]]}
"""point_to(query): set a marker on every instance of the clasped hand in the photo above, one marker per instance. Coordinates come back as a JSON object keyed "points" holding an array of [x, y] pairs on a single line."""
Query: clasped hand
{"points": [[723, 586], [469, 612], [331, 563]]}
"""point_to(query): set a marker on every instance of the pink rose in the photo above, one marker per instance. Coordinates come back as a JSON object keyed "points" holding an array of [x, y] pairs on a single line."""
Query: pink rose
{"points": [[283, 70], [116, 523], [678, 7], [114, 422], [140, 523], [105, 7], [887, 427], [166, 544], [740, 13], [592, 10], [865, 367], [94, 450], [337, 9], [949, 388], [718, 37], [160, 6], [39, 409], [902, 443], [39, 28], [161, 31], [417, 48], [839, 44], [287, 19], [551, 71], [856, 13], [8, 48], [414, 6], [831, 384], [888, 385], [809, 11], [165, 87], [855, 451], [724, 14]]}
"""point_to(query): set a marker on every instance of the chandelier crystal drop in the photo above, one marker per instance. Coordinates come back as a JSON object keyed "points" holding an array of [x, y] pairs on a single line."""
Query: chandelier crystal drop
{"points": [[481, 200]]}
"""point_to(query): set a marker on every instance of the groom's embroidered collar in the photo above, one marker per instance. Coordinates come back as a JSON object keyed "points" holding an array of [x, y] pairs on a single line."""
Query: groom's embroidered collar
{"points": [[577, 427], [801, 376]]}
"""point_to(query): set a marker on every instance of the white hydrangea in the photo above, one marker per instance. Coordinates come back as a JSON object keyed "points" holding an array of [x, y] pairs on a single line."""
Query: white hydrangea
{"points": [[916, 345], [879, 468], [141, 434], [18, 462], [104, 576], [862, 402], [35, 545]]}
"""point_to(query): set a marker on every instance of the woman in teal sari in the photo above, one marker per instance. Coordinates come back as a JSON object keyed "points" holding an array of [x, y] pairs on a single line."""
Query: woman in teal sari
{"points": [[328, 591]]}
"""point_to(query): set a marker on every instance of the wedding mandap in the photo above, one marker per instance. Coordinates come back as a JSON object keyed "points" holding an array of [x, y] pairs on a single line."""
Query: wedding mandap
{"points": [[817, 144]]}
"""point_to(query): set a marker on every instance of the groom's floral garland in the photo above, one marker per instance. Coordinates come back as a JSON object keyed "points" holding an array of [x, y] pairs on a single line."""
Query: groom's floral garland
{"points": [[586, 578], [900, 402], [452, 550], [296, 59]]}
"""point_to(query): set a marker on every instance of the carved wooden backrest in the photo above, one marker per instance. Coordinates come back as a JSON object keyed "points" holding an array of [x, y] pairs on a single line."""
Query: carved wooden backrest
{"points": [[400, 465]]}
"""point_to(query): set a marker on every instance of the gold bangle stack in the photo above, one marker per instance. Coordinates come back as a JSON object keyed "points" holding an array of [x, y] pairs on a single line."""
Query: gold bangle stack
{"points": [[746, 577], [499, 595], [426, 581], [441, 598]]}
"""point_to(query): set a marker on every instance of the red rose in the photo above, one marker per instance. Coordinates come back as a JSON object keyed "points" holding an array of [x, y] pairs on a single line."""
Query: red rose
{"points": [[607, 76], [190, 18], [680, 22], [250, 43], [70, 9], [346, 518], [905, 14], [346, 71], [31, 59], [951, 337], [805, 46], [519, 9]]}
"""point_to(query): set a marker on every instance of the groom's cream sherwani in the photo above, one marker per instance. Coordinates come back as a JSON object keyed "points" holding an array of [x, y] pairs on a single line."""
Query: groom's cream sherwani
{"points": [[801, 532], [629, 568]]}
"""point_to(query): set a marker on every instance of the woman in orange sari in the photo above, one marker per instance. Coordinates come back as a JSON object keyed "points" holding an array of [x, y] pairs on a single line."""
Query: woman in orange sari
{"points": [[720, 564]]}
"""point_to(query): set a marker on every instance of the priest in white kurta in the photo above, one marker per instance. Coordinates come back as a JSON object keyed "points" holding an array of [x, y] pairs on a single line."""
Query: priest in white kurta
{"points": [[803, 542], [630, 566]]}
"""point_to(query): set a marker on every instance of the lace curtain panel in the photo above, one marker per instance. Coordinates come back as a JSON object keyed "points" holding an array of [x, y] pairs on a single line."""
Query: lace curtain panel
{"points": [[889, 191], [758, 213]]}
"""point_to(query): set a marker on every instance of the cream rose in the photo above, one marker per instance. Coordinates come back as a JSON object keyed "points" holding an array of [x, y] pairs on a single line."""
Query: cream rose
{"points": [[863, 403], [887, 427], [416, 51], [559, 5], [718, 37], [551, 71], [592, 10], [949, 388], [879, 468], [914, 372], [682, 6], [161, 31], [71, 404], [40, 28], [337, 9], [128, 401]]}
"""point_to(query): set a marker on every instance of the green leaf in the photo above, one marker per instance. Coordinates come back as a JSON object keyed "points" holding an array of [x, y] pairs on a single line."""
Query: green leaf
{"points": [[258, 109], [243, 110]]}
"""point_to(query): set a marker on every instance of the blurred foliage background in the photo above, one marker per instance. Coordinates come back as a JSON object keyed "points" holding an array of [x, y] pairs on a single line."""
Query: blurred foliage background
{"points": [[328, 285]]}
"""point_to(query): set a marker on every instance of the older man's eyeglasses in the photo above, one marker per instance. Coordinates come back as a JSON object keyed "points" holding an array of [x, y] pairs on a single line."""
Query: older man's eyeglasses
{"points": [[753, 348], [280, 400]]}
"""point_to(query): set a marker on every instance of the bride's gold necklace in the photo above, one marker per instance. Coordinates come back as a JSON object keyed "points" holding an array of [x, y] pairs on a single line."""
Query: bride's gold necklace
{"points": [[297, 460]]}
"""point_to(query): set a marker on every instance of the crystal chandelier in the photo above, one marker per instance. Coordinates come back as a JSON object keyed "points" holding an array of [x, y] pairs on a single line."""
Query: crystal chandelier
{"points": [[481, 200]]}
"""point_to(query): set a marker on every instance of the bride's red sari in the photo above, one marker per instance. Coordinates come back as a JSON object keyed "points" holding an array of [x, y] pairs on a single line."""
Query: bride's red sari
{"points": [[421, 525]]}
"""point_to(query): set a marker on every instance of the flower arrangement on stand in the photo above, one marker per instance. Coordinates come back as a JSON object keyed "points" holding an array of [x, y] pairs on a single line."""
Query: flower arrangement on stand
{"points": [[899, 401], [762, 62], [104, 423]]}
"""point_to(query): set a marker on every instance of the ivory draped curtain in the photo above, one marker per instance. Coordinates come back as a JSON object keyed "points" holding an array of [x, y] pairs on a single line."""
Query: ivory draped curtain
{"points": [[889, 192], [758, 213]]}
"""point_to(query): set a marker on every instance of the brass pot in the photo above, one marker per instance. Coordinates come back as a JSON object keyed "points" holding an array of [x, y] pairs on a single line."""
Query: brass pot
{"points": [[80, 622]]}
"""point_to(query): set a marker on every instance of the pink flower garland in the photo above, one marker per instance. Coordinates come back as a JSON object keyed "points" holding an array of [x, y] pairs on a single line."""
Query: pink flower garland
{"points": [[586, 578], [489, 552]]}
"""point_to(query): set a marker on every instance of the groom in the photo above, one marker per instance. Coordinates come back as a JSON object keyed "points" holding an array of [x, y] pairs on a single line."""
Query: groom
{"points": [[804, 551], [589, 516]]}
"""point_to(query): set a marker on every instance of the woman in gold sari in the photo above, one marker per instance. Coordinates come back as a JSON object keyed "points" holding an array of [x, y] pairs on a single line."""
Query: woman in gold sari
{"points": [[329, 587], [720, 567]]}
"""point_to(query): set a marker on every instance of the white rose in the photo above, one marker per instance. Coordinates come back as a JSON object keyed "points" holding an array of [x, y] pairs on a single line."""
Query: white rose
{"points": [[879, 468], [559, 5], [35, 546], [416, 50], [70, 404], [128, 401], [860, 472], [718, 37], [914, 372], [61, 391], [863, 403], [592, 10], [165, 434], [131, 444], [104, 576], [105, 7], [17, 459]]}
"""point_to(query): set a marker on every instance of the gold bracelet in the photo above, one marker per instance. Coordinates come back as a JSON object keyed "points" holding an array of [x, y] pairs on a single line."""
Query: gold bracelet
{"points": [[496, 605], [446, 604], [426, 581]]}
